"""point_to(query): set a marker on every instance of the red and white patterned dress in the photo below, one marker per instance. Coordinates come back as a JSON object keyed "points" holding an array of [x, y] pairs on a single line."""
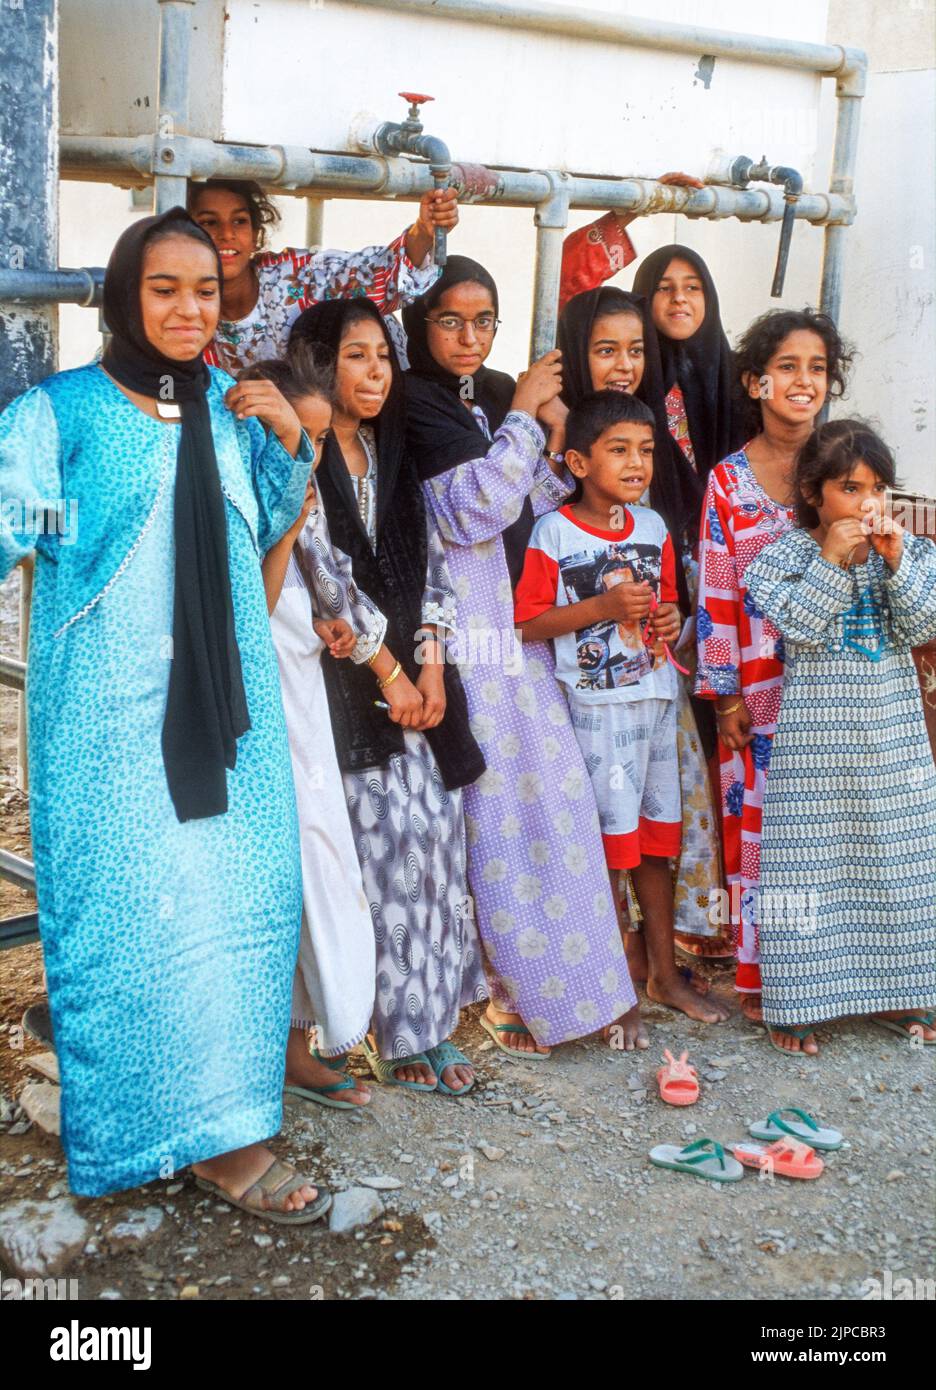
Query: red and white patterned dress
{"points": [[740, 653], [293, 280]]}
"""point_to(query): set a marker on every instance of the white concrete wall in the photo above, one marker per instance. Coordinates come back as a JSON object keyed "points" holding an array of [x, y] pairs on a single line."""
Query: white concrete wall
{"points": [[629, 113]]}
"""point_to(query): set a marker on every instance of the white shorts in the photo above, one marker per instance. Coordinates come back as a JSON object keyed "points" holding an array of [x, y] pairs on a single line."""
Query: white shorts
{"points": [[629, 747]]}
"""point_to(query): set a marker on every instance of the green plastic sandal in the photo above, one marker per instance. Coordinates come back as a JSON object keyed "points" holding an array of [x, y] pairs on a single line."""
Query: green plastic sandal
{"points": [[705, 1158], [804, 1128], [904, 1026], [787, 1032], [446, 1054], [385, 1071], [514, 1053]]}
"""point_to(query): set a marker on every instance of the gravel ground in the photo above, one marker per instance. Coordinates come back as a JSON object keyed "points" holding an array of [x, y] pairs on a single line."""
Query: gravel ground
{"points": [[537, 1186]]}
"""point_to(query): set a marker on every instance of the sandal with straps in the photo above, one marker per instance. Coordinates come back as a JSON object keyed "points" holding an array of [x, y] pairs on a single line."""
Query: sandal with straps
{"points": [[386, 1070], [804, 1128], [678, 1082], [446, 1054], [910, 1026], [788, 1158], [705, 1158], [278, 1182], [788, 1032], [516, 1054]]}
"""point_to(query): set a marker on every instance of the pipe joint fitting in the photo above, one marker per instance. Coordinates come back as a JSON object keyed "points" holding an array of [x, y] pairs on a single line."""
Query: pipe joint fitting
{"points": [[554, 210]]}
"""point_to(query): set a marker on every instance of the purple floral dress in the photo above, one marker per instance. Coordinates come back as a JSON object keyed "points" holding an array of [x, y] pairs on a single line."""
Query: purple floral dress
{"points": [[536, 865]]}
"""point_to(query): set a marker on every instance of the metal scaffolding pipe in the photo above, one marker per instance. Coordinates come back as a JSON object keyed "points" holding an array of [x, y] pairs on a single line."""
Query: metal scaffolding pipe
{"points": [[306, 173], [598, 26], [82, 286], [17, 870], [841, 184], [175, 34], [12, 672]]}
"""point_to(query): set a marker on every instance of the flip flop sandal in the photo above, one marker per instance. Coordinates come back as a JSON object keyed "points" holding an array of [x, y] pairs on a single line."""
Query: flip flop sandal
{"points": [[804, 1128], [385, 1071], [325, 1095], [678, 1082], [446, 1054], [704, 1159], [493, 1030], [800, 1033], [905, 1027], [278, 1182], [786, 1157], [335, 1063]]}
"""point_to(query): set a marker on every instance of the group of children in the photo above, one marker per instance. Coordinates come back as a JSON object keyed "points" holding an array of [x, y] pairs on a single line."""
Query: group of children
{"points": [[672, 580]]}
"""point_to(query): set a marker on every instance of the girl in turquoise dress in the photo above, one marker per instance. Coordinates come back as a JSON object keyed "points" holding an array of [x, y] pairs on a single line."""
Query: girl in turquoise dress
{"points": [[162, 806]]}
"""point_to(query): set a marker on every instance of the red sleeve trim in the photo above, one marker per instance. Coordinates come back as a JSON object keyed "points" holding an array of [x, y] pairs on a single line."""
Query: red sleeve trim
{"points": [[538, 586], [668, 591]]}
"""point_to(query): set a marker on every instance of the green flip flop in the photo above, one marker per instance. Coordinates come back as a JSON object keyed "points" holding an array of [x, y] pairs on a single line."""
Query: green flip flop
{"points": [[385, 1071], [446, 1054], [494, 1029], [705, 1158], [804, 1128], [904, 1026], [789, 1032], [325, 1095]]}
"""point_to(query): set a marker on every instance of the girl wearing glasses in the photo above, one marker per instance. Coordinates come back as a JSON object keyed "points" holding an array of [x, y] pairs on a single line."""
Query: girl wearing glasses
{"points": [[535, 860]]}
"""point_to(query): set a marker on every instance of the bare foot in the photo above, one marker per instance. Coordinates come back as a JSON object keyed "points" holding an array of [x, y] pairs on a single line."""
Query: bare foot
{"points": [[677, 994], [520, 1042], [241, 1168], [751, 1008], [302, 1069], [791, 1044], [703, 946], [915, 1030], [627, 1032], [419, 1072]]}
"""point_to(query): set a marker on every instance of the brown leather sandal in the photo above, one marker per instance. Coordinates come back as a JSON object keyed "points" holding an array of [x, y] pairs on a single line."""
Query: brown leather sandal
{"points": [[278, 1182]]}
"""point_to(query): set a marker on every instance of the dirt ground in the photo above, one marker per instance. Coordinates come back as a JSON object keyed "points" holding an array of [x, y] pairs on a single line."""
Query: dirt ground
{"points": [[537, 1185]]}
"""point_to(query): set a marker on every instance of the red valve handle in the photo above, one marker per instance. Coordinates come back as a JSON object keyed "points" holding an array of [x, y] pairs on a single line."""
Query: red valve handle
{"points": [[417, 98]]}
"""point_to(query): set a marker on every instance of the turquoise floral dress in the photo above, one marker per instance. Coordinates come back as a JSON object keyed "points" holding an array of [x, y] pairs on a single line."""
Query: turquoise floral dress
{"points": [[169, 948]]}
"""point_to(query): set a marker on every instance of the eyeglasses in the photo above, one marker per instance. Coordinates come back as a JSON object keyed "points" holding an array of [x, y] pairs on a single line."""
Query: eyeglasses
{"points": [[454, 323]]}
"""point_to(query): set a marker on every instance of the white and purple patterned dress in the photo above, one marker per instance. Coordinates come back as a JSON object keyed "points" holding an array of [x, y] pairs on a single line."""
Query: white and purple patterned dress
{"points": [[536, 866]]}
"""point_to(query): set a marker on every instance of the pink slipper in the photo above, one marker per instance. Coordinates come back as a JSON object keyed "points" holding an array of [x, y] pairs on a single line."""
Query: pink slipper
{"points": [[678, 1082], [786, 1157]]}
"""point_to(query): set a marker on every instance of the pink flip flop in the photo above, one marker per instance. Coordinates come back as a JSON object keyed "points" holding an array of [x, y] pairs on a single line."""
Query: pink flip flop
{"points": [[786, 1157], [678, 1082]]}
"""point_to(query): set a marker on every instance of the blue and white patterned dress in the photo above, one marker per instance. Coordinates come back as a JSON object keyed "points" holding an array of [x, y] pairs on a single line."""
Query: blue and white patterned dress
{"points": [[847, 882], [169, 948]]}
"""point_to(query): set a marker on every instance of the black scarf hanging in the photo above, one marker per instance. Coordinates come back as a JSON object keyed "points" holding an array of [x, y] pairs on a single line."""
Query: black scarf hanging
{"points": [[441, 433], [206, 707], [393, 575], [701, 365], [675, 490]]}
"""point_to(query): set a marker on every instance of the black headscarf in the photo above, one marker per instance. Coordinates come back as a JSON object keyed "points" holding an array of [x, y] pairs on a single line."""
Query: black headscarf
{"points": [[441, 433], [702, 364], [206, 707], [675, 490], [393, 575]]}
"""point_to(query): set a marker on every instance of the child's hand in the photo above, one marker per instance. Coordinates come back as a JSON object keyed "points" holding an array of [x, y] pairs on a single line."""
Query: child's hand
{"points": [[846, 541], [439, 208], [539, 384], [262, 399], [431, 686], [308, 502], [886, 534], [337, 636], [627, 602], [554, 415], [666, 620], [734, 729], [405, 701]]}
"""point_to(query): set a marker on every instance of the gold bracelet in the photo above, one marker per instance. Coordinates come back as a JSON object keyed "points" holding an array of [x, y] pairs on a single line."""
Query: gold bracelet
{"points": [[382, 685], [372, 658], [720, 713]]}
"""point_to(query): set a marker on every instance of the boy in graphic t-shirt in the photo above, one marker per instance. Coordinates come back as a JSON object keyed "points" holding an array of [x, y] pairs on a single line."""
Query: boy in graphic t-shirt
{"points": [[599, 579]]}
